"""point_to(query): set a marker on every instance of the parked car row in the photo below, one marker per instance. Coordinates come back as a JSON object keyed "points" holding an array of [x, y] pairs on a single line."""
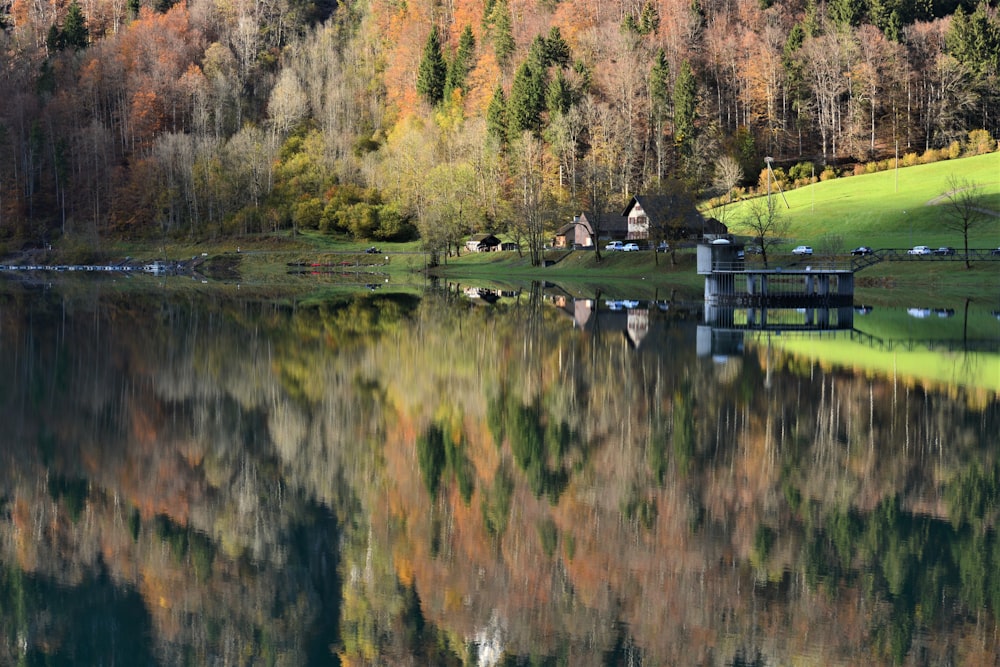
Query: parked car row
{"points": [[805, 250], [622, 246], [922, 313]]}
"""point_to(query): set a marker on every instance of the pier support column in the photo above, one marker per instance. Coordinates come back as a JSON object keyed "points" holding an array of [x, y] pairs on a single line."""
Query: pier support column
{"points": [[824, 285]]}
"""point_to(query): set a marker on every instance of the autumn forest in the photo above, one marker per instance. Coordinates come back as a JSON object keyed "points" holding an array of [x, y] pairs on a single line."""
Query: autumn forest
{"points": [[399, 119]]}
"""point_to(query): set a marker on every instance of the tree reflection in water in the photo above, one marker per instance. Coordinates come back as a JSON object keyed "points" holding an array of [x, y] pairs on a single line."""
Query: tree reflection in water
{"points": [[393, 479]]}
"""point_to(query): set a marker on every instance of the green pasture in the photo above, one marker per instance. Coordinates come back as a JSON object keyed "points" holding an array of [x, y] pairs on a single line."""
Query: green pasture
{"points": [[890, 209]]}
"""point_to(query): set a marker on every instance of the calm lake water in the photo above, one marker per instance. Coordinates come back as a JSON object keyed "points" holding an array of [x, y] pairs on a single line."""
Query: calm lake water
{"points": [[465, 477]]}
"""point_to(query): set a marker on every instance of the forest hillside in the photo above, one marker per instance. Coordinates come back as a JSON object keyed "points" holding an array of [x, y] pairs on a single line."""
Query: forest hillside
{"points": [[393, 119]]}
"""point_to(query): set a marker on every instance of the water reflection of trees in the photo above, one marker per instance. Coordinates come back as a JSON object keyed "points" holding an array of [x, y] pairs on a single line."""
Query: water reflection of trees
{"points": [[497, 479]]}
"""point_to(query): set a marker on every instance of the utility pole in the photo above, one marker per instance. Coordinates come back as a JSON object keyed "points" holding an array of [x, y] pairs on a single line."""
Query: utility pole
{"points": [[768, 161], [770, 175]]}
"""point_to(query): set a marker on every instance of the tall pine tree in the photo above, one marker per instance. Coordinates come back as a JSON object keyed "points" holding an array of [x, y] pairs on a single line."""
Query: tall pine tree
{"points": [[659, 108], [527, 99], [433, 71], [559, 96], [557, 48], [685, 108], [75, 34], [503, 33], [659, 87], [974, 40], [462, 63], [496, 116]]}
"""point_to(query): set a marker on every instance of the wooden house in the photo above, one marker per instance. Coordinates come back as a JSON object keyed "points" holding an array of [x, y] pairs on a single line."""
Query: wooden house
{"points": [[580, 232], [669, 216]]}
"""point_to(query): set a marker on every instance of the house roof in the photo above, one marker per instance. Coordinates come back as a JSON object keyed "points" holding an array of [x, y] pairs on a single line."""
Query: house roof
{"points": [[484, 239], [578, 221], [608, 222]]}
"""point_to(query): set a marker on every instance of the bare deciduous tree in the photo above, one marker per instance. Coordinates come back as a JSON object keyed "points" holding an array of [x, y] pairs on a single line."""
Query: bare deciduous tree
{"points": [[728, 174], [963, 203], [766, 224], [531, 202]]}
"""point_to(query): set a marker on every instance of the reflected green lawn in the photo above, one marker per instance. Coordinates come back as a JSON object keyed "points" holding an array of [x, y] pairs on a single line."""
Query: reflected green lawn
{"points": [[923, 345]]}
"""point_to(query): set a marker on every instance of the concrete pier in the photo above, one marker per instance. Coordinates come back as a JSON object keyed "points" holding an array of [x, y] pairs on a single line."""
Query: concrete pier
{"points": [[728, 282]]}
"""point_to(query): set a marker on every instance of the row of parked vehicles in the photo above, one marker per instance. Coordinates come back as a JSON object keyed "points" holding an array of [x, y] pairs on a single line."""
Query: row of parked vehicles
{"points": [[860, 251], [622, 246], [943, 251]]}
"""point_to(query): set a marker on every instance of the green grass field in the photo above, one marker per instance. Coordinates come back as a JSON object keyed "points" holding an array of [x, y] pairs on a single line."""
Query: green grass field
{"points": [[889, 209], [899, 210]]}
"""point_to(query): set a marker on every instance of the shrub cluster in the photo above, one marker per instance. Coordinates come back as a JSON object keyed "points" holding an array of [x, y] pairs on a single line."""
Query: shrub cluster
{"points": [[978, 142]]}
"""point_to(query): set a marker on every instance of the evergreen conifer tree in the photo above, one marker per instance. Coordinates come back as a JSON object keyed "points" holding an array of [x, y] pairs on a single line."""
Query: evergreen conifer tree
{"points": [[75, 34], [559, 96], [496, 115], [974, 40], [503, 33], [649, 20], [527, 99], [54, 39], [659, 86], [685, 107], [557, 49], [538, 53], [433, 71], [462, 62]]}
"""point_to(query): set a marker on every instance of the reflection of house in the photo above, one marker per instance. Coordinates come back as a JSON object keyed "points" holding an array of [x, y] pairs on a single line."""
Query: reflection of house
{"points": [[638, 325], [630, 318], [580, 232], [486, 294], [667, 216], [483, 243]]}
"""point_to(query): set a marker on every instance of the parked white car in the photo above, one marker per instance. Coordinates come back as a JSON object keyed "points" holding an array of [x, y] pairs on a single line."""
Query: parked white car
{"points": [[631, 247], [802, 250], [920, 250], [615, 245]]}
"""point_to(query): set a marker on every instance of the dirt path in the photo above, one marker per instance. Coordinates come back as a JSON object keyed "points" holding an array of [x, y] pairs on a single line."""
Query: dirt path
{"points": [[941, 198]]}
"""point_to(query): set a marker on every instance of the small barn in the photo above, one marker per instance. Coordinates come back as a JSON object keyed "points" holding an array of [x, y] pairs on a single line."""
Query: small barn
{"points": [[579, 233], [483, 243], [575, 234]]}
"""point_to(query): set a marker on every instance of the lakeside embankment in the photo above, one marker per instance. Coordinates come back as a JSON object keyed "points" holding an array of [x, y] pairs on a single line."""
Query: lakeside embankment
{"points": [[299, 263]]}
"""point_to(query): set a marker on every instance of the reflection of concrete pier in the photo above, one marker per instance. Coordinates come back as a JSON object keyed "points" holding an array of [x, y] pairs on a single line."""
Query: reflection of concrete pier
{"points": [[725, 327], [755, 318], [806, 300]]}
